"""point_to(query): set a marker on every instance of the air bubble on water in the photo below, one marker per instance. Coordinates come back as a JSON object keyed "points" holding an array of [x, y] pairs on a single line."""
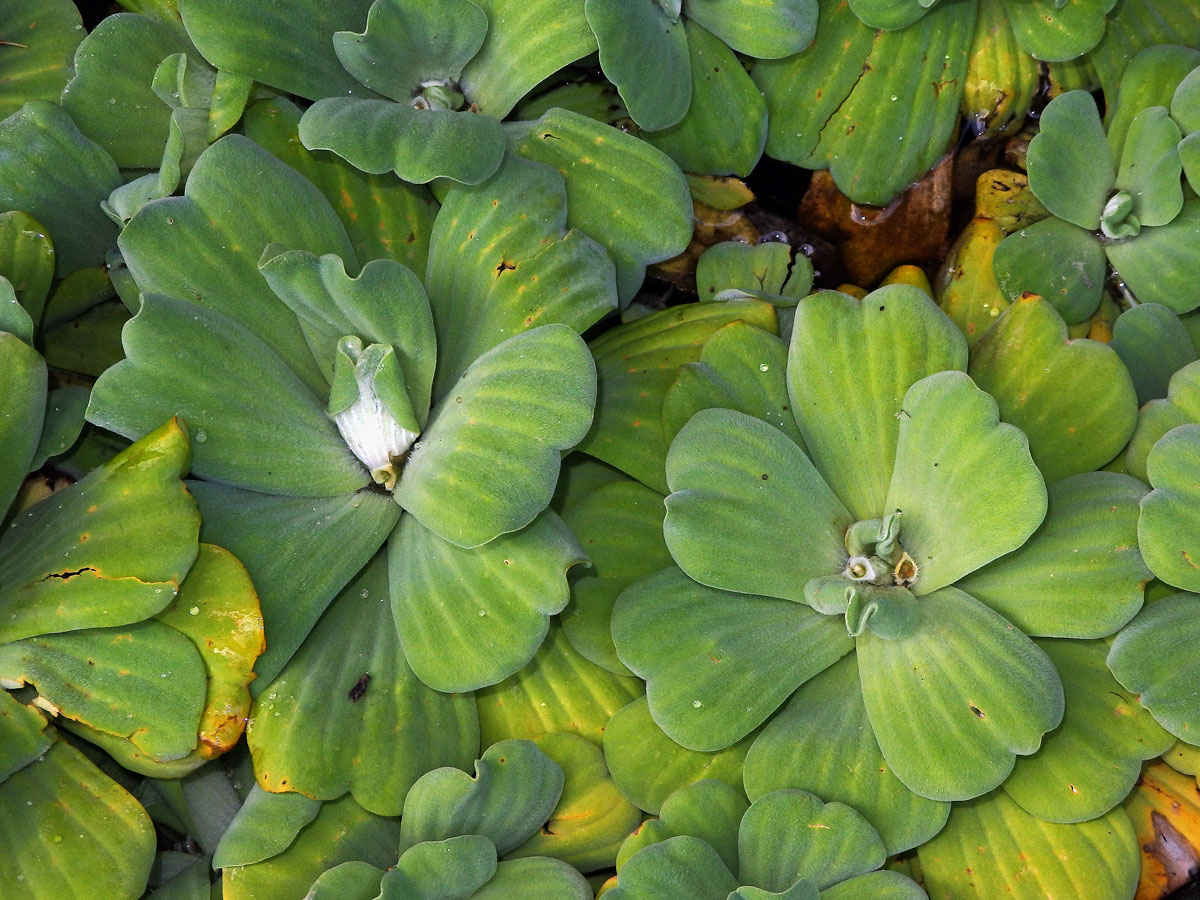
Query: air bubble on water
{"points": [[194, 611], [201, 436], [763, 367], [697, 704], [482, 613]]}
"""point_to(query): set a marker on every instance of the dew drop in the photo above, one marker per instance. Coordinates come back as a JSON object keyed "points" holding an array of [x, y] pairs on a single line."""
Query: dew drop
{"points": [[697, 704]]}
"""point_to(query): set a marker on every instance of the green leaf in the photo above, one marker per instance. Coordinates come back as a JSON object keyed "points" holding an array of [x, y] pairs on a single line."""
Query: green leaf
{"points": [[1158, 264], [1150, 167], [527, 42], [23, 410], [14, 319], [406, 46], [40, 41], [143, 682], [342, 831], [513, 792], [252, 418], [789, 835], [717, 664], [1080, 575], [1150, 79], [110, 96], [635, 365], [264, 826], [894, 337], [111, 549], [767, 270], [1090, 762], [205, 247], [348, 881], [535, 879], [300, 551], [847, 121], [890, 15], [709, 810], [41, 137], [823, 743], [742, 368], [762, 30], [620, 524], [1070, 170], [25, 740], [61, 811], [956, 516], [725, 128], [1189, 157], [736, 484], [648, 766], [1154, 344], [1180, 407], [1029, 859], [88, 344], [1073, 399], [347, 713], [881, 885], [1151, 658], [680, 868], [502, 262], [1055, 260], [954, 702], [591, 819], [1185, 102], [452, 869], [384, 304], [644, 52], [468, 618], [1057, 30], [1167, 529], [488, 460], [65, 408], [558, 691], [287, 45], [620, 190], [385, 218], [26, 260], [419, 145]]}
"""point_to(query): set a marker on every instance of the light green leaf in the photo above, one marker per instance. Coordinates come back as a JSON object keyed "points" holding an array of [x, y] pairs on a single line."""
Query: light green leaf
{"points": [[894, 337], [110, 96], [205, 247], [1154, 344], [342, 831], [23, 410], [1070, 170], [1158, 265], [823, 743], [40, 39], [890, 15], [406, 46], [1090, 762], [300, 551], [26, 260], [252, 417], [953, 703], [789, 835], [644, 52], [419, 145], [1150, 78], [1080, 575], [1150, 167], [41, 137], [1055, 260], [66, 797], [1189, 157], [620, 524], [535, 879], [386, 218], [1057, 30], [881, 885], [24, 735], [452, 869], [558, 691], [1073, 399], [348, 881], [648, 766], [65, 407], [738, 483], [470, 618], [347, 714], [957, 516], [501, 262], [264, 826], [1167, 529], [143, 682], [620, 190], [717, 664], [287, 45], [1180, 407], [111, 549], [680, 868], [488, 460], [1029, 859], [513, 792], [762, 30], [709, 810], [1151, 657], [591, 819], [636, 363], [725, 128]]}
